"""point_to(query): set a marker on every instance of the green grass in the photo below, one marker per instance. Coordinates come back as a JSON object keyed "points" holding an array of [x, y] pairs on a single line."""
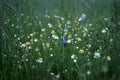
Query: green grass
{"points": [[31, 41], [41, 37]]}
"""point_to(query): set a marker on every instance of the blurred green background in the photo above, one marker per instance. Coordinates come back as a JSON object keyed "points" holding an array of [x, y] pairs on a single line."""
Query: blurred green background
{"points": [[31, 7]]}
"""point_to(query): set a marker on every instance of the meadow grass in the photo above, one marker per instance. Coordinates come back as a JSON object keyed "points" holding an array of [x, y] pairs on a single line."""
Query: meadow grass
{"points": [[34, 50]]}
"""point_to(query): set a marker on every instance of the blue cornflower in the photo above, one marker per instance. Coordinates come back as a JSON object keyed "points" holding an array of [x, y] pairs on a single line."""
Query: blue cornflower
{"points": [[84, 21], [64, 42]]}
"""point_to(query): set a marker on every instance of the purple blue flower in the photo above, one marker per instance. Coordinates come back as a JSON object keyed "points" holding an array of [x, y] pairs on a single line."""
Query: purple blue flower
{"points": [[84, 21], [64, 42]]}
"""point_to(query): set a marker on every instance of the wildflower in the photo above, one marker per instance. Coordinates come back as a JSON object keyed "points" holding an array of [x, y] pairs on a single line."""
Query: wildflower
{"points": [[12, 25], [26, 59], [18, 38], [75, 21], [89, 35], [21, 14], [48, 70], [65, 30], [84, 16], [84, 21], [108, 58], [31, 34], [89, 53], [50, 25], [49, 17], [69, 36], [52, 73], [77, 47], [52, 32], [39, 22], [84, 34], [68, 22], [62, 18], [90, 25], [75, 35], [68, 41], [103, 31], [55, 36], [35, 40], [81, 51], [29, 47], [88, 72], [59, 25], [48, 44], [28, 37], [79, 39], [64, 42], [15, 35], [73, 56], [41, 35], [43, 29], [74, 60], [51, 55], [37, 49], [105, 19], [97, 55], [75, 42], [85, 29], [23, 45], [89, 45], [33, 67], [51, 49], [57, 76], [30, 24], [111, 40], [27, 43], [43, 44], [4, 55], [39, 60], [66, 70]]}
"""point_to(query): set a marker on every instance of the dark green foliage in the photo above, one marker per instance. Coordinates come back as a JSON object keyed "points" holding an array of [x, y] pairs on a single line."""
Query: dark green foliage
{"points": [[33, 30]]}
